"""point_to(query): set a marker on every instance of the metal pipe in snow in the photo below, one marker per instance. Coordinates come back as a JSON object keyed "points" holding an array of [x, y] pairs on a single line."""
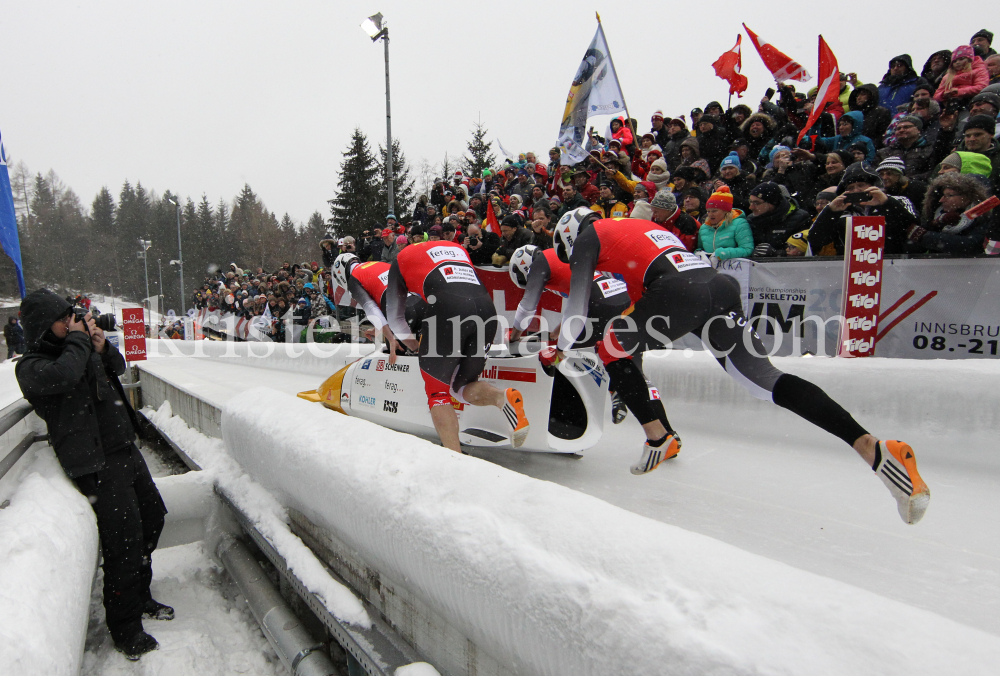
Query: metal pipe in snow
{"points": [[301, 654]]}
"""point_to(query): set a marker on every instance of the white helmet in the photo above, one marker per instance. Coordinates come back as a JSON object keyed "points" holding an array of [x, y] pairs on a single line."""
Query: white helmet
{"points": [[342, 266], [520, 264], [568, 230]]}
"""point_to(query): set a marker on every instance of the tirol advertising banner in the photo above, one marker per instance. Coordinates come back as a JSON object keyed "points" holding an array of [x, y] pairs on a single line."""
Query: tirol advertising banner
{"points": [[134, 333], [862, 286]]}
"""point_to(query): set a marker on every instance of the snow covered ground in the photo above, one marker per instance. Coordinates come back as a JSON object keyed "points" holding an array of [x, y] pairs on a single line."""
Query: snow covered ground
{"points": [[212, 633]]}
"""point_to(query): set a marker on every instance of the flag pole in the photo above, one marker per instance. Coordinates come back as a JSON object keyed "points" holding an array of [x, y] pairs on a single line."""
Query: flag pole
{"points": [[628, 117]]}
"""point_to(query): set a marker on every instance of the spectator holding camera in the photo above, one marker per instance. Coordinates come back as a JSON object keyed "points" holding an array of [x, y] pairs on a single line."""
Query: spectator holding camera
{"points": [[480, 245], [860, 194], [70, 375]]}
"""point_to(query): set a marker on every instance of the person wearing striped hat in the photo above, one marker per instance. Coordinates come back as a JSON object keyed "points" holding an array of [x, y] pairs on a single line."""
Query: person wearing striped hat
{"points": [[892, 171], [659, 131]]}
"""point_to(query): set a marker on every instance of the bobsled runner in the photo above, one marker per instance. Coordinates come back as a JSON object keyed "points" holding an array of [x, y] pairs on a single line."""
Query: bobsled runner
{"points": [[566, 409]]}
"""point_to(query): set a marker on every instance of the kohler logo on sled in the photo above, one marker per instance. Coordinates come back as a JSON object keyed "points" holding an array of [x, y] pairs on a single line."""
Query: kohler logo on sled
{"points": [[365, 400]]}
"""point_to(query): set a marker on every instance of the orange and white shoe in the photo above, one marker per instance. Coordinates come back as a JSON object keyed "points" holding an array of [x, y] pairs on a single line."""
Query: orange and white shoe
{"points": [[896, 466], [513, 410], [652, 456]]}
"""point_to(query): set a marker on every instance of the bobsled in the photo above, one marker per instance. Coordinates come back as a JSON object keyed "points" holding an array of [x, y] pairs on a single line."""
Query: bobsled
{"points": [[565, 409]]}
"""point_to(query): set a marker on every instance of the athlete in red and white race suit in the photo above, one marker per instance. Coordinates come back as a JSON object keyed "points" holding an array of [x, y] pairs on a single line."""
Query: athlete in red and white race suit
{"points": [[367, 282], [536, 271], [675, 292], [457, 330]]}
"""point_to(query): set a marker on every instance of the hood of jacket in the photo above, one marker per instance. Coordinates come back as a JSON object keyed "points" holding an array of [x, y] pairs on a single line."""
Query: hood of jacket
{"points": [[692, 143], [858, 120], [39, 310], [946, 55], [873, 95], [767, 120], [910, 74]]}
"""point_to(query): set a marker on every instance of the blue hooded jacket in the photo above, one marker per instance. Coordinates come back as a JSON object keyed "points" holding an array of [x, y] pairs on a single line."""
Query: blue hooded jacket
{"points": [[844, 142], [895, 91]]}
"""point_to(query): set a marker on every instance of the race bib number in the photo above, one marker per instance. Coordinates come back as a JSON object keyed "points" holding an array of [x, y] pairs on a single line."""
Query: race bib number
{"points": [[611, 287], [459, 273], [663, 239], [440, 254], [685, 260], [384, 278]]}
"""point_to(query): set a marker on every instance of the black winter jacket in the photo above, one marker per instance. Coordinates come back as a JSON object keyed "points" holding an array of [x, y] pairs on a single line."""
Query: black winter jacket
{"points": [[73, 389], [829, 226], [775, 227]]}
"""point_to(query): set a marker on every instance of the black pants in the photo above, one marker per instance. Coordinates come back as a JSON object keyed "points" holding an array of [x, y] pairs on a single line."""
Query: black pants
{"points": [[708, 304], [130, 514]]}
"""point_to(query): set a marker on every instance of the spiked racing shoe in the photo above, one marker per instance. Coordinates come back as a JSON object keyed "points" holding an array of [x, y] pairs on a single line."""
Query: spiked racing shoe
{"points": [[513, 410], [652, 456], [896, 466]]}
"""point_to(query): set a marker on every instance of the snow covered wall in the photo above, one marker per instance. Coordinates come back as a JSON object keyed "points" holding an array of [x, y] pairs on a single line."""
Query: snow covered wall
{"points": [[49, 557], [551, 581]]}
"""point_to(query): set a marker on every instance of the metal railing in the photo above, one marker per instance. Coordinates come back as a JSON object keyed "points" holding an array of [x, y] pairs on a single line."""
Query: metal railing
{"points": [[10, 416]]}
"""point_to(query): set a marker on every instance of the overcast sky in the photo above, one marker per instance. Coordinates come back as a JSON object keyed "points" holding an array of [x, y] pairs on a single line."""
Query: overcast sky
{"points": [[202, 97]]}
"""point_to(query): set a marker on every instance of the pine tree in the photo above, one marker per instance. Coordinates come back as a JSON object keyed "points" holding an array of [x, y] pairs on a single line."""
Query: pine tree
{"points": [[480, 154], [402, 184], [356, 206]]}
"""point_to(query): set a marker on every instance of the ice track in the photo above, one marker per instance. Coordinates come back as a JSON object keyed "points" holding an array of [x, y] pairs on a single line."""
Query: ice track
{"points": [[755, 476]]}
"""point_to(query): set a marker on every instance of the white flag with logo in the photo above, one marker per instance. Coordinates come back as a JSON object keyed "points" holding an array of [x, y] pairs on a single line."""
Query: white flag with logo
{"points": [[594, 91]]}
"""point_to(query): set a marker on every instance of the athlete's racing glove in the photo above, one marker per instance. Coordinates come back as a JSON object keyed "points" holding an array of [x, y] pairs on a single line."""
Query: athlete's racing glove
{"points": [[549, 357]]}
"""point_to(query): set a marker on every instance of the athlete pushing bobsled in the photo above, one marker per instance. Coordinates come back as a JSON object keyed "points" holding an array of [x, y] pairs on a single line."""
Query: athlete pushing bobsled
{"points": [[367, 283], [457, 329], [674, 293], [536, 270]]}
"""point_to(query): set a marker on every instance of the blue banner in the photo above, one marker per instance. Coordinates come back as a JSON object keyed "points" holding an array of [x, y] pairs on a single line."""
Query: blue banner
{"points": [[8, 220]]}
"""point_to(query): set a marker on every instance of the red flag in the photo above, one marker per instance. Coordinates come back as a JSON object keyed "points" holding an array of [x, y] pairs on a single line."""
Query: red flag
{"points": [[780, 64], [492, 224], [829, 85], [728, 68]]}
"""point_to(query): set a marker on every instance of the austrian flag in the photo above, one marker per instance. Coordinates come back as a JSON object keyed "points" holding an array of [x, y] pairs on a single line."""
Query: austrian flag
{"points": [[782, 67], [728, 68]]}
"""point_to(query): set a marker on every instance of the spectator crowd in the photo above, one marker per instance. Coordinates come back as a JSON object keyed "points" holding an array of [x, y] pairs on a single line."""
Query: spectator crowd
{"points": [[918, 148]]}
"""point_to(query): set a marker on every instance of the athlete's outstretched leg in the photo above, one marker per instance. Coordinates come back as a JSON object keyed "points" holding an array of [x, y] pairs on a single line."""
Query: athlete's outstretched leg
{"points": [[740, 351]]}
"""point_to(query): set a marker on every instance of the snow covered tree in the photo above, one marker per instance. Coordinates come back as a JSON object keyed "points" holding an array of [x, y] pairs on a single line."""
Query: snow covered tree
{"points": [[480, 154], [402, 185], [356, 206]]}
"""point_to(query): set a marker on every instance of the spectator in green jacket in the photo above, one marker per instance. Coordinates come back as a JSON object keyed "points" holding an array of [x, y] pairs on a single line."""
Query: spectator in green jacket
{"points": [[725, 233]]}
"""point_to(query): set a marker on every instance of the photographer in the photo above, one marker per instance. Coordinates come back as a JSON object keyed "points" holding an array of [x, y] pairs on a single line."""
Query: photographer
{"points": [[480, 245], [70, 375]]}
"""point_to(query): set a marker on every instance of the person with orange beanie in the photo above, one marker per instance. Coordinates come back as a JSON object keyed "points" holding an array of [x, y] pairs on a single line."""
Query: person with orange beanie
{"points": [[725, 233]]}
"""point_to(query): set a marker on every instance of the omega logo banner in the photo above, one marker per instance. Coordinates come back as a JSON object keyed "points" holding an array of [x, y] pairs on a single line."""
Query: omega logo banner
{"points": [[134, 333]]}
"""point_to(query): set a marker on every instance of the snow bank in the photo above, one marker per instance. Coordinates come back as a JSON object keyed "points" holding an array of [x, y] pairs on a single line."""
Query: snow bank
{"points": [[48, 536], [268, 516], [551, 581]]}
